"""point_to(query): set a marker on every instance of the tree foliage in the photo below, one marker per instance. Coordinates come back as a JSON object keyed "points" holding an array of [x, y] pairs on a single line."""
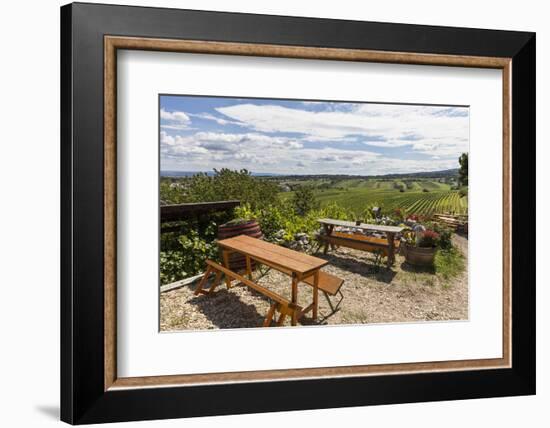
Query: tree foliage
{"points": [[463, 170], [304, 200], [224, 185]]}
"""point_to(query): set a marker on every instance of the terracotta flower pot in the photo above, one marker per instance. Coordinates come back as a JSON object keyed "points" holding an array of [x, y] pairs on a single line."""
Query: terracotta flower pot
{"points": [[419, 256]]}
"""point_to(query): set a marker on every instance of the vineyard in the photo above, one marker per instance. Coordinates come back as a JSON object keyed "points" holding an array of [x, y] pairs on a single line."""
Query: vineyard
{"points": [[417, 197]]}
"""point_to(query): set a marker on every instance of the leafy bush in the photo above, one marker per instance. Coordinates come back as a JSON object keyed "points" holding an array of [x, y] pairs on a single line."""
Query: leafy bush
{"points": [[184, 254], [398, 215], [463, 171], [448, 263], [224, 185], [283, 217], [189, 259], [304, 200], [172, 267], [445, 235]]}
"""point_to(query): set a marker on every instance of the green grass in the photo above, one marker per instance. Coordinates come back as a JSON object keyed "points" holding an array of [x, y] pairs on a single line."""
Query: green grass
{"points": [[448, 263]]}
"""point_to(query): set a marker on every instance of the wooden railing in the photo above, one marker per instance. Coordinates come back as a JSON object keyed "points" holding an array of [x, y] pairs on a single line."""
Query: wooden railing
{"points": [[174, 213]]}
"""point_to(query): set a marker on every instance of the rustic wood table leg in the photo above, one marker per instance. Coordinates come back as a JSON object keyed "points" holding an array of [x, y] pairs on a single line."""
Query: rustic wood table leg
{"points": [[248, 267], [225, 257], [328, 231], [332, 246], [391, 248], [294, 297], [315, 295]]}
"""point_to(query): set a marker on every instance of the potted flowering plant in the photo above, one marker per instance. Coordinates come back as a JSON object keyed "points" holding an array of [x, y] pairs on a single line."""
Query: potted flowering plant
{"points": [[420, 247]]}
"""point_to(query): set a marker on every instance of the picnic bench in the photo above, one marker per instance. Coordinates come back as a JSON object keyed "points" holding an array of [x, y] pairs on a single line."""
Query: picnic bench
{"points": [[455, 222], [379, 246], [302, 268]]}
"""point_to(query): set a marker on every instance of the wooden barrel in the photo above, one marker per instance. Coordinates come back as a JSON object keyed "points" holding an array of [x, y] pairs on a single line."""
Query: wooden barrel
{"points": [[237, 262]]}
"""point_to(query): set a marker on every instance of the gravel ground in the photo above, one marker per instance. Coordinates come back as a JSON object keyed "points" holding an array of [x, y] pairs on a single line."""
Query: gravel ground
{"points": [[402, 294]]}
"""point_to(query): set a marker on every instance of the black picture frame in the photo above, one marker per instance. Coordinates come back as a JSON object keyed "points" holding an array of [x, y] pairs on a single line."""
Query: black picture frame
{"points": [[83, 398]]}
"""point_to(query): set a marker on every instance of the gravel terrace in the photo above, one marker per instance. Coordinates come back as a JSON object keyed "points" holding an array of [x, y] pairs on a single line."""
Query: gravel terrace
{"points": [[402, 294]]}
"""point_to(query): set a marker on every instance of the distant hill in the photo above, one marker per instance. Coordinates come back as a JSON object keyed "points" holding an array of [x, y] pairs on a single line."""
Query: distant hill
{"points": [[210, 173], [429, 174], [426, 174]]}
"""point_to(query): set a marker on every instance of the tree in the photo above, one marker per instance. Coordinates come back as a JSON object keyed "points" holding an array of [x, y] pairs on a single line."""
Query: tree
{"points": [[463, 171], [224, 184], [304, 200]]}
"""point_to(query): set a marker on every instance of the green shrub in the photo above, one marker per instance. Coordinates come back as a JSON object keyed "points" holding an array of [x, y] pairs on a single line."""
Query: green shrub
{"points": [[449, 263], [224, 185], [445, 235], [172, 266], [189, 259], [304, 200]]}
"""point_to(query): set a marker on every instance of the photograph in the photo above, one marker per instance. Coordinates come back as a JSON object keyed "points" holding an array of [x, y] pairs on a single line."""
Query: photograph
{"points": [[275, 211], [288, 212]]}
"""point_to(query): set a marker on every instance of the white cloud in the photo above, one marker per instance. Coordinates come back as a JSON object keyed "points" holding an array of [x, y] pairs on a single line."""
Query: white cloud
{"points": [[177, 120], [328, 142], [382, 125], [175, 127], [240, 149], [218, 120], [175, 116]]}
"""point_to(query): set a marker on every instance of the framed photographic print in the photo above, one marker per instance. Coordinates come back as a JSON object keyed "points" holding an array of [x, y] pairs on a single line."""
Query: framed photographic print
{"points": [[282, 213]]}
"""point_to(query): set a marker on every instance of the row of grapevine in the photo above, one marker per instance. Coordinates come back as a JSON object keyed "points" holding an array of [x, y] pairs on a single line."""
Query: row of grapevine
{"points": [[422, 203], [437, 202]]}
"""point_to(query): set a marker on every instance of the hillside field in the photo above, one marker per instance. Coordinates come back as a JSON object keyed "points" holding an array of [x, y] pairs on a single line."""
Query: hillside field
{"points": [[417, 196]]}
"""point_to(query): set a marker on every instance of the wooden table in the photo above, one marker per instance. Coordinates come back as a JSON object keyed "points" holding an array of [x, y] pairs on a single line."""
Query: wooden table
{"points": [[389, 231], [298, 265]]}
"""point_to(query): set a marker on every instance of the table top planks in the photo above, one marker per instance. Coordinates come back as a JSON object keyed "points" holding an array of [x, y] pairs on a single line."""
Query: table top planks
{"points": [[363, 226], [272, 254]]}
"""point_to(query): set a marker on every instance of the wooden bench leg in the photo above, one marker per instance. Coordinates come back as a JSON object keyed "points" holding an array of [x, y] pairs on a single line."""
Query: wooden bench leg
{"points": [[269, 316], [332, 307], [215, 283], [281, 320], [203, 280]]}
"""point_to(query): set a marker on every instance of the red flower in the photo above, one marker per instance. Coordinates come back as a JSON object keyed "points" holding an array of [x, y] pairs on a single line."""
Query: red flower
{"points": [[430, 234], [429, 239]]}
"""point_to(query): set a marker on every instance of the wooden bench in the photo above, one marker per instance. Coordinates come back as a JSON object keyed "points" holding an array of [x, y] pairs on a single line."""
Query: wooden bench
{"points": [[280, 304], [329, 285], [456, 223], [381, 247], [370, 243], [378, 246]]}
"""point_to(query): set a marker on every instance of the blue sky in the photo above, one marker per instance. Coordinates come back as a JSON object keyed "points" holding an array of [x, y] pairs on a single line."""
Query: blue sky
{"points": [[309, 137]]}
